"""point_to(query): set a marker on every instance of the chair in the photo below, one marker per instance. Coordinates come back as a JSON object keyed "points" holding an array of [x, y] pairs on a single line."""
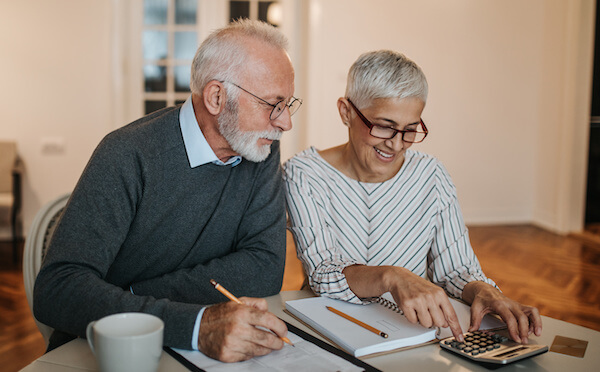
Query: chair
{"points": [[10, 192], [294, 277], [36, 245]]}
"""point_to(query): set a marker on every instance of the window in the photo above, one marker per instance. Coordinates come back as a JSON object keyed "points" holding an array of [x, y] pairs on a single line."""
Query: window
{"points": [[169, 42], [171, 33], [267, 11]]}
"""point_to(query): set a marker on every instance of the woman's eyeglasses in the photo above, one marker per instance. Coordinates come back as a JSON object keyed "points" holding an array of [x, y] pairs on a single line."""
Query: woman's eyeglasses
{"points": [[415, 135]]}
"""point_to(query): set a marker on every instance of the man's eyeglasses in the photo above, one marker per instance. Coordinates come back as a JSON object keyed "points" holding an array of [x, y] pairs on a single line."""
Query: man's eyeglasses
{"points": [[413, 135], [293, 105]]}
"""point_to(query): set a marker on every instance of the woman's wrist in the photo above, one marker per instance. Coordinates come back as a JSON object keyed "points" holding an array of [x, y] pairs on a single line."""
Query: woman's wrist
{"points": [[471, 289], [392, 277]]}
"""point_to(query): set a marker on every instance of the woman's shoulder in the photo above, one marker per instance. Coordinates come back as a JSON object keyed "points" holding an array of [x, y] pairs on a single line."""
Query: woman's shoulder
{"points": [[430, 167], [427, 164], [422, 160], [306, 160], [306, 156], [308, 164]]}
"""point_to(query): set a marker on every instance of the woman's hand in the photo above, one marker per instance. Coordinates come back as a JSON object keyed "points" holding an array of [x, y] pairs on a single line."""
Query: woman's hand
{"points": [[421, 301], [521, 320]]}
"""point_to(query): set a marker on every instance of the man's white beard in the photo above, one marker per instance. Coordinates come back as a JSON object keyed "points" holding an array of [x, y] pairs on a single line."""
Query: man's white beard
{"points": [[244, 143]]}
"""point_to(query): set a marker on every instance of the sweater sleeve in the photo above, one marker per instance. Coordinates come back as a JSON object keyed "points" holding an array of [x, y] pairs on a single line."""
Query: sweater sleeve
{"points": [[315, 242], [71, 289], [256, 264], [452, 261]]}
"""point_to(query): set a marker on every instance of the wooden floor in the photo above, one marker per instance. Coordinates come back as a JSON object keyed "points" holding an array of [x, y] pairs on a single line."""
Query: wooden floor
{"points": [[560, 275]]}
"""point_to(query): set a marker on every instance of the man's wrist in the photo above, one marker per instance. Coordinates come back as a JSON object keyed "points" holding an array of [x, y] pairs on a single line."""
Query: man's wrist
{"points": [[196, 331]]}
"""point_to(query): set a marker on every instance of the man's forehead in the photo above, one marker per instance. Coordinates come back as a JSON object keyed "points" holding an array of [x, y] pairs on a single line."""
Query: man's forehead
{"points": [[273, 71]]}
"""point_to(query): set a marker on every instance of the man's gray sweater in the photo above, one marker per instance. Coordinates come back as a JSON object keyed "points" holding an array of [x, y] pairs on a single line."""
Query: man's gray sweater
{"points": [[141, 219]]}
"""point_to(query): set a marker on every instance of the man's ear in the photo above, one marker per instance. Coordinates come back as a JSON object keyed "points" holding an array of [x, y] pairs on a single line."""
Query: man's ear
{"points": [[214, 96], [344, 109]]}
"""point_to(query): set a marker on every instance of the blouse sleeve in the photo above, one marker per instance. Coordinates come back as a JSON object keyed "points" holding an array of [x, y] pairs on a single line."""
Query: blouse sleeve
{"points": [[317, 248], [452, 262]]}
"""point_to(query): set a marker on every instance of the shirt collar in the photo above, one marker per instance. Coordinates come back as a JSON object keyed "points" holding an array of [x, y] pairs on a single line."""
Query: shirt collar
{"points": [[198, 150]]}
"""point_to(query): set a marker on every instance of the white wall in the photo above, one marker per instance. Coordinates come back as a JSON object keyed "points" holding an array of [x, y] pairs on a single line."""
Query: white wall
{"points": [[55, 77], [500, 72]]}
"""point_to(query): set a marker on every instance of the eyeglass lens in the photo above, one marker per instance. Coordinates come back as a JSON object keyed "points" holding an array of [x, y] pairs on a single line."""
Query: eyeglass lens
{"points": [[413, 135], [293, 106]]}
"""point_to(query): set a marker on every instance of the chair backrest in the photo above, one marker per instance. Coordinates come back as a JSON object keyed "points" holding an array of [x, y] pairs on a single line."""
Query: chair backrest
{"points": [[36, 244], [8, 159]]}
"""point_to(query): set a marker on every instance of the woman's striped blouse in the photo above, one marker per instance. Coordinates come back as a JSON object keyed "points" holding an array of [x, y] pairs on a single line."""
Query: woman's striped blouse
{"points": [[412, 220]]}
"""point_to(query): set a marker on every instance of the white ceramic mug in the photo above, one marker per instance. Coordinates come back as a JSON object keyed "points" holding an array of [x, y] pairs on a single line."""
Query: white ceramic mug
{"points": [[126, 342]]}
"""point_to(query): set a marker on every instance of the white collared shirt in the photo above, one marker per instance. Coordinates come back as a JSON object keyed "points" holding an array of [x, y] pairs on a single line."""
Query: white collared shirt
{"points": [[198, 150]]}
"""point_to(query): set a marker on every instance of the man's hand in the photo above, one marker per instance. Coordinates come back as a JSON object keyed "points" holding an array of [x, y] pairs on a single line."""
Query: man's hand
{"points": [[521, 320], [229, 333]]}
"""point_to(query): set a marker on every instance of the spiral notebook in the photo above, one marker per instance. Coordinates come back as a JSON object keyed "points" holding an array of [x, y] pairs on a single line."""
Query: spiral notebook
{"points": [[383, 315]]}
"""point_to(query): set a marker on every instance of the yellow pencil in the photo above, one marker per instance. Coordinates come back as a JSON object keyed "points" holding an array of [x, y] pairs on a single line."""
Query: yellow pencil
{"points": [[230, 296], [356, 321]]}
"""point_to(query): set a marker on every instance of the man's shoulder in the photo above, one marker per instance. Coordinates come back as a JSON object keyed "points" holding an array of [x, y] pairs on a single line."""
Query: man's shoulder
{"points": [[154, 132]]}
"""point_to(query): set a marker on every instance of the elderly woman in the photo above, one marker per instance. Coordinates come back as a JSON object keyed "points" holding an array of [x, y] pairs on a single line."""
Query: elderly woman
{"points": [[374, 216]]}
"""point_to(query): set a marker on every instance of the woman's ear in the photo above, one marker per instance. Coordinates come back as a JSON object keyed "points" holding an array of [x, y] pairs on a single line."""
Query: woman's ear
{"points": [[214, 96], [344, 109]]}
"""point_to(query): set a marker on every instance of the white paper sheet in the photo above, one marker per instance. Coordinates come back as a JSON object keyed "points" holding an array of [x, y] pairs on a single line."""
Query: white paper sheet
{"points": [[304, 353]]}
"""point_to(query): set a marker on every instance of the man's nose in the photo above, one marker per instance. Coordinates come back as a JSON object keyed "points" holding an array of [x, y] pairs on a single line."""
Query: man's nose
{"points": [[284, 121]]}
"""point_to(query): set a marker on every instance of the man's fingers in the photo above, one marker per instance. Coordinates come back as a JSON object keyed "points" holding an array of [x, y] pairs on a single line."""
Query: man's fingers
{"points": [[269, 322], [232, 332], [257, 303]]}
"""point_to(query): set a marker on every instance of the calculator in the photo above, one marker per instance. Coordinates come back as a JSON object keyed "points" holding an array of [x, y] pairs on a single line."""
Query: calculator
{"points": [[491, 348]]}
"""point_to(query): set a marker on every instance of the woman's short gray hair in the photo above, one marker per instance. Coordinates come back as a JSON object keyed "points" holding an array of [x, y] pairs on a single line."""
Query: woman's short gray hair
{"points": [[222, 54], [384, 74]]}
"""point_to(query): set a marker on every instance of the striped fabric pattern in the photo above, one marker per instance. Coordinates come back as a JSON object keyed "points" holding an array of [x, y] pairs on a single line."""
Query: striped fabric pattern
{"points": [[412, 220]]}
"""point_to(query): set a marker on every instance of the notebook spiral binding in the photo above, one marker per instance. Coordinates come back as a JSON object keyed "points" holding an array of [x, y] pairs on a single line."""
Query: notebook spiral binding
{"points": [[390, 305]]}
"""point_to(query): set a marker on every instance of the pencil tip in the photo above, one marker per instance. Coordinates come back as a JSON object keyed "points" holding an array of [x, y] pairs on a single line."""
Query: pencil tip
{"points": [[212, 281]]}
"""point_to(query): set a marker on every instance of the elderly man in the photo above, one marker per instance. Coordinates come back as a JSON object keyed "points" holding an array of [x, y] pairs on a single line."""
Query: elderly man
{"points": [[181, 196]]}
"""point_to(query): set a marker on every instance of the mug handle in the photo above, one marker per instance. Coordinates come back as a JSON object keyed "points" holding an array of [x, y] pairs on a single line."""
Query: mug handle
{"points": [[89, 334]]}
